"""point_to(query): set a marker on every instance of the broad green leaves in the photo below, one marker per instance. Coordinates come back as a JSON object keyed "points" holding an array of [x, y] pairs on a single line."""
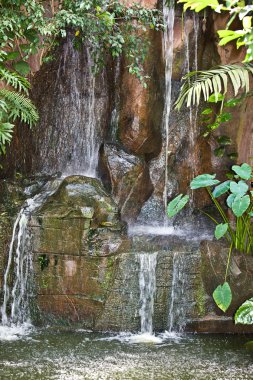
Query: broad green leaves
{"points": [[176, 205], [199, 5], [244, 171], [223, 296], [240, 205], [244, 314], [204, 180], [221, 189], [220, 230], [239, 188]]}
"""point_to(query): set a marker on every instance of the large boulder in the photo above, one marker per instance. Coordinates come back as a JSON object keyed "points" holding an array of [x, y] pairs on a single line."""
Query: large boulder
{"points": [[128, 178], [76, 235]]}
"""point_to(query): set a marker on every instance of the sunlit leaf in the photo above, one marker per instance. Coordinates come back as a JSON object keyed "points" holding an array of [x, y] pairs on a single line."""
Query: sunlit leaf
{"points": [[223, 296]]}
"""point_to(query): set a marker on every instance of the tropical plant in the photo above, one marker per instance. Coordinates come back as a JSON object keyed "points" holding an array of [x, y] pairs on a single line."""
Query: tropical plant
{"points": [[244, 314], [14, 104], [28, 27], [238, 229], [200, 85], [234, 9]]}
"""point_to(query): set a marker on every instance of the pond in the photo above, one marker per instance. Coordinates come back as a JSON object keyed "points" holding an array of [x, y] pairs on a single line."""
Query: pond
{"points": [[46, 354]]}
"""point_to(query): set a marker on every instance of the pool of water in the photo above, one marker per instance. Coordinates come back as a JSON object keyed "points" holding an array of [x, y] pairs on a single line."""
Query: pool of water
{"points": [[75, 355]]}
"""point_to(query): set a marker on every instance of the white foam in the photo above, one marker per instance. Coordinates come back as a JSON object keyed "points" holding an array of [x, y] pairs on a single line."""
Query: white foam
{"points": [[15, 332]]}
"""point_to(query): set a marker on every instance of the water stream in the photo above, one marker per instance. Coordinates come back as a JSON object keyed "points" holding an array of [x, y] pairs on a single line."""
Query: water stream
{"points": [[177, 309], [147, 283], [18, 284], [168, 35]]}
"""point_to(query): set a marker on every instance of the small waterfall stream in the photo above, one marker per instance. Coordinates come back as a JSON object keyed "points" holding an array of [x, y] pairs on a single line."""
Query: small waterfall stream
{"points": [[168, 35], [177, 312], [147, 283], [15, 309]]}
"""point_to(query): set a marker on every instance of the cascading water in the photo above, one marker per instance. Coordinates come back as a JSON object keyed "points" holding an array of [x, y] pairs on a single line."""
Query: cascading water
{"points": [[176, 318], [169, 17], [147, 283], [17, 297], [72, 121]]}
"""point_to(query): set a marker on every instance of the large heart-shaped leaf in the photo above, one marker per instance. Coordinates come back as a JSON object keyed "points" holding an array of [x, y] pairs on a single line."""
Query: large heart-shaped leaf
{"points": [[223, 296], [240, 205], [230, 200], [244, 314], [220, 230], [239, 188], [244, 171], [221, 189], [177, 204], [204, 180]]}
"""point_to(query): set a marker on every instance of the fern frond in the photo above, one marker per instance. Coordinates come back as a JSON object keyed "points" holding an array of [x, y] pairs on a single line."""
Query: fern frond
{"points": [[19, 106], [6, 130], [15, 80], [203, 84]]}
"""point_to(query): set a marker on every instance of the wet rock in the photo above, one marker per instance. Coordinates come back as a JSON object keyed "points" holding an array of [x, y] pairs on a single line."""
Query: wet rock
{"points": [[128, 178], [141, 109]]}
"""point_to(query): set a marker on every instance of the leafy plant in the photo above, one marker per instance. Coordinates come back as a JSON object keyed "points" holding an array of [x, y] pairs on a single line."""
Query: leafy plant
{"points": [[244, 314], [202, 84], [238, 230], [28, 27]]}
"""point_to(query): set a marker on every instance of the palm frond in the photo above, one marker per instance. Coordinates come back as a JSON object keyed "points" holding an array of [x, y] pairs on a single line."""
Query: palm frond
{"points": [[15, 80], [19, 106], [203, 84]]}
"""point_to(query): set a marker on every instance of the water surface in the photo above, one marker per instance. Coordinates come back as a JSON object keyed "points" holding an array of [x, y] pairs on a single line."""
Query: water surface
{"points": [[77, 355]]}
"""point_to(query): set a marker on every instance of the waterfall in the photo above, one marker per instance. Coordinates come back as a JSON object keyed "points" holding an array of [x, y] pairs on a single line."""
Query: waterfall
{"points": [[177, 310], [19, 266], [73, 114], [147, 283], [116, 103], [168, 35]]}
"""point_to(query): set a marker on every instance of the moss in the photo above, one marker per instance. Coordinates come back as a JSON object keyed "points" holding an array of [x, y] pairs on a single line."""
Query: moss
{"points": [[200, 299]]}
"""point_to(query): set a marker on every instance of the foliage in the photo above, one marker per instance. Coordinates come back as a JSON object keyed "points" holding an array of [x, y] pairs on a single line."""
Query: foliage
{"points": [[14, 104], [235, 9], [223, 296], [203, 84], [28, 27], [244, 314], [238, 229]]}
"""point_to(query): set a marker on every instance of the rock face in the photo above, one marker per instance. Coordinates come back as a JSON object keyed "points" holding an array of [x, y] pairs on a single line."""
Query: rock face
{"points": [[127, 177], [76, 234]]}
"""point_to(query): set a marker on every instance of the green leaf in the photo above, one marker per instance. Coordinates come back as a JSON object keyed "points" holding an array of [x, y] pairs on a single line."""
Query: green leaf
{"points": [[224, 140], [230, 200], [219, 152], [204, 180], [220, 230], [22, 67], [177, 204], [207, 111], [216, 97], [232, 102], [240, 205], [221, 189], [239, 189], [12, 55], [244, 314], [223, 296], [244, 171], [224, 117]]}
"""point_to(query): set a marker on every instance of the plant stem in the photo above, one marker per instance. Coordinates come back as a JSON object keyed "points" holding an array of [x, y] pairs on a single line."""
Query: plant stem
{"points": [[228, 262]]}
